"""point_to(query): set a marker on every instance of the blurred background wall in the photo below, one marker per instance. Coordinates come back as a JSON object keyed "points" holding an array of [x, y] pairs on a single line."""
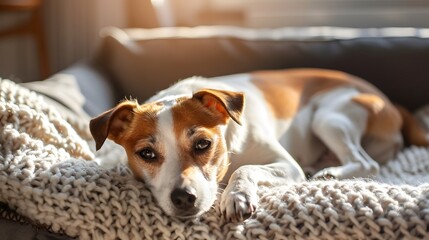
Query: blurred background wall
{"points": [[71, 27], [71, 31]]}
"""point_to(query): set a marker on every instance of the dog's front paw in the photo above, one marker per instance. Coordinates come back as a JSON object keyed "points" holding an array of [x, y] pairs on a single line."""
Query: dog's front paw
{"points": [[237, 206]]}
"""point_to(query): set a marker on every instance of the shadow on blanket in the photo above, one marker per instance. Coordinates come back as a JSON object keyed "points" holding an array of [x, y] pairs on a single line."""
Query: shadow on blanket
{"points": [[44, 177]]}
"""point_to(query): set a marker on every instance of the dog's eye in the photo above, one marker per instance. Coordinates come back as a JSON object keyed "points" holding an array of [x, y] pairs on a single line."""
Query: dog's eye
{"points": [[147, 154], [202, 144]]}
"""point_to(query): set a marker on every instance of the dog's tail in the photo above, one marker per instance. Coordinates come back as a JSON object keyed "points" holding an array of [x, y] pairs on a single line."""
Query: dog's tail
{"points": [[412, 130]]}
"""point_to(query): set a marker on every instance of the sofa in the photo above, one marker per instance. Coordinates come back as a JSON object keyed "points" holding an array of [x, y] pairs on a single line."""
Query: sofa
{"points": [[55, 189]]}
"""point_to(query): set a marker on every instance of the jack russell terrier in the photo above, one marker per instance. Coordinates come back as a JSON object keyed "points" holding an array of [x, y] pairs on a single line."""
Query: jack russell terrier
{"points": [[252, 129]]}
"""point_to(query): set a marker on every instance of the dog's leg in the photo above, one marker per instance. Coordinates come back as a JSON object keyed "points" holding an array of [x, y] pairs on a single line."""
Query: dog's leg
{"points": [[239, 199], [341, 128]]}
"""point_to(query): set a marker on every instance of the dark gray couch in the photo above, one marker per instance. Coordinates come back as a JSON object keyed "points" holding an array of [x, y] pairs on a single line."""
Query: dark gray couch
{"points": [[140, 62]]}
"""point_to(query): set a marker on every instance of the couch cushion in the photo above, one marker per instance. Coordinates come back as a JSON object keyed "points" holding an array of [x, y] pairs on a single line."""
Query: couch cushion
{"points": [[144, 61]]}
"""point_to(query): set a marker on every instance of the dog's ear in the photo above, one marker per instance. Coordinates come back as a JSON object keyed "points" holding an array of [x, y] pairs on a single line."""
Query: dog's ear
{"points": [[112, 123], [222, 103]]}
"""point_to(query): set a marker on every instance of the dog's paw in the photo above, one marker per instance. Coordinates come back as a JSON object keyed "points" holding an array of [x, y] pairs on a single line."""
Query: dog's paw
{"points": [[237, 206]]}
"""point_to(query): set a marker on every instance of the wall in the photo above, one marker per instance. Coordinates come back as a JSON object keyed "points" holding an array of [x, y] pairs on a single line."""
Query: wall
{"points": [[356, 13], [71, 28], [281, 13]]}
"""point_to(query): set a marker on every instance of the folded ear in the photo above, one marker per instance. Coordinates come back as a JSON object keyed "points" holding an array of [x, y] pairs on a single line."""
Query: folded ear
{"points": [[112, 122], [225, 104]]}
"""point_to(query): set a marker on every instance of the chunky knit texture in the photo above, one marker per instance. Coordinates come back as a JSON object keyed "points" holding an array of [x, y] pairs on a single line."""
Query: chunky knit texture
{"points": [[44, 176]]}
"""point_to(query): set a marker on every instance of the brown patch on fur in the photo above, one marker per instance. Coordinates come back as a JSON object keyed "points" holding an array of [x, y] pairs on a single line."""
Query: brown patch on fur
{"points": [[371, 102], [286, 91], [193, 122], [140, 134], [132, 126], [413, 132], [111, 123], [384, 120], [226, 104]]}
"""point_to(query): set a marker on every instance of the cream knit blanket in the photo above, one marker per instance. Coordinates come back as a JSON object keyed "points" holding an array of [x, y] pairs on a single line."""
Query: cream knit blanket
{"points": [[43, 176]]}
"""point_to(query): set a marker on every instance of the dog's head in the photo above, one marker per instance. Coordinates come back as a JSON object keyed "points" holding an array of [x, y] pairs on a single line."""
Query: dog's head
{"points": [[176, 146]]}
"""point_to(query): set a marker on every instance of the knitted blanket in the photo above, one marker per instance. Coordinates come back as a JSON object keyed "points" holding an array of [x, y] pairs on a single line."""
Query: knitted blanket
{"points": [[44, 176]]}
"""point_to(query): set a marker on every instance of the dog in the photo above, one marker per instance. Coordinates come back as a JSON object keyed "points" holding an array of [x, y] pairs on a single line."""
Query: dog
{"points": [[250, 129]]}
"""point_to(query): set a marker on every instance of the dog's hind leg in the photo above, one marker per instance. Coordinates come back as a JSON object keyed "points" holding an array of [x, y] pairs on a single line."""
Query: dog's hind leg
{"points": [[341, 126]]}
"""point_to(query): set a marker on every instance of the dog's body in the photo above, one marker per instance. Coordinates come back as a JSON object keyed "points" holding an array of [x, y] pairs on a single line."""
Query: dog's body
{"points": [[182, 142]]}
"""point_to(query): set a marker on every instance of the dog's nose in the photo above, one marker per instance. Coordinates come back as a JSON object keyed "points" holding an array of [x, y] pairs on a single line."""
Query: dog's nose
{"points": [[183, 198]]}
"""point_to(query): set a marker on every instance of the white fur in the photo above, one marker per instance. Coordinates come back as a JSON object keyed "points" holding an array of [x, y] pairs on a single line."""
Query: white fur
{"points": [[169, 172]]}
